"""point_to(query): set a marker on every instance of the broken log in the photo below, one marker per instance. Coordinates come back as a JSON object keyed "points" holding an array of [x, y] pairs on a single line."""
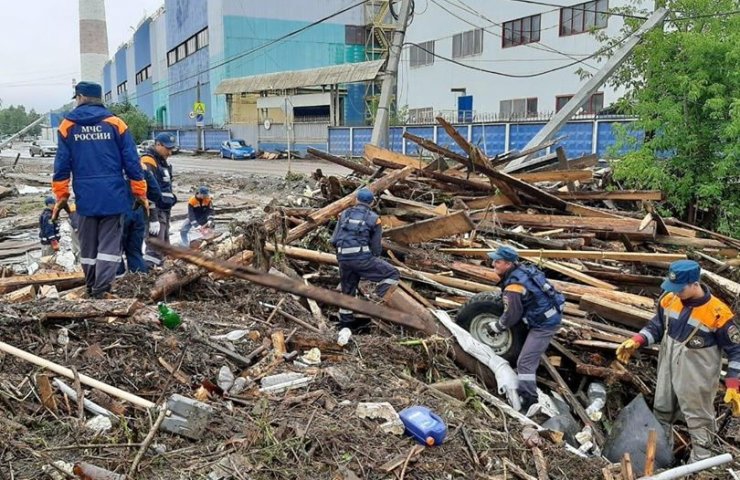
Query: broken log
{"points": [[617, 195], [372, 152], [63, 281], [357, 167], [323, 215], [556, 176], [25, 294], [430, 229], [580, 255], [623, 314], [532, 241], [90, 308]]}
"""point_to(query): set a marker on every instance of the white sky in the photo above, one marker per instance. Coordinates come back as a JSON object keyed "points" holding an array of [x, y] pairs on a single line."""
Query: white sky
{"points": [[40, 51]]}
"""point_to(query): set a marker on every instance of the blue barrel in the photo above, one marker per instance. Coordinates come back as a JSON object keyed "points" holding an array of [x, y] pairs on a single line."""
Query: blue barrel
{"points": [[424, 425]]}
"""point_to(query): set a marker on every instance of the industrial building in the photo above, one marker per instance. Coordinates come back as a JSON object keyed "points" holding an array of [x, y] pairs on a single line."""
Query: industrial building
{"points": [[451, 43]]}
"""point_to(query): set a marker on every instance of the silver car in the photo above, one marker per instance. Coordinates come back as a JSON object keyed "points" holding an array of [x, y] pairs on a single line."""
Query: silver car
{"points": [[43, 148]]}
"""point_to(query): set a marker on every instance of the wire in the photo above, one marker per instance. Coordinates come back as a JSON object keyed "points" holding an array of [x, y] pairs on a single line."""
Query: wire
{"points": [[254, 50], [537, 46], [513, 75]]}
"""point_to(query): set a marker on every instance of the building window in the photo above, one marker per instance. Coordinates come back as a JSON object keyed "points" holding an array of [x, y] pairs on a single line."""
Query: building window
{"points": [[521, 31], [518, 108], [143, 74], [108, 96], [583, 17], [122, 88], [592, 106], [354, 35], [422, 54], [467, 43], [181, 52], [171, 57], [202, 38], [421, 115], [190, 45]]}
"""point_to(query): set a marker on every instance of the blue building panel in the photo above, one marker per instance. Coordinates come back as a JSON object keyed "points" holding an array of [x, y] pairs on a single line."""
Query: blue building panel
{"points": [[521, 133], [360, 136], [184, 19], [354, 105], [424, 132], [339, 141], [212, 139], [107, 81], [607, 138], [490, 138], [120, 60], [142, 47], [395, 139], [444, 140], [188, 139], [578, 139], [144, 98], [183, 80]]}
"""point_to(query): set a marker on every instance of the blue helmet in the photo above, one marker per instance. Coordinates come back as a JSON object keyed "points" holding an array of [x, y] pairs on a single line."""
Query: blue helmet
{"points": [[364, 195], [50, 201], [504, 252], [203, 190]]}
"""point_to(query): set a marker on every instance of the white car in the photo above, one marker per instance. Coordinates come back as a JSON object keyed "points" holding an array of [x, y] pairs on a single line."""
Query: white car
{"points": [[43, 148]]}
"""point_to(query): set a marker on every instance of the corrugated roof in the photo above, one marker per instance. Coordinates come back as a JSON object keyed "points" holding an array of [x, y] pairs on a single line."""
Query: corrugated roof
{"points": [[336, 74]]}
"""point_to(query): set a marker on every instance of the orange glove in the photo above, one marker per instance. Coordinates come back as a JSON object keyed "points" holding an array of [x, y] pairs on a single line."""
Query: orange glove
{"points": [[732, 396], [142, 202], [629, 347], [55, 245], [59, 206]]}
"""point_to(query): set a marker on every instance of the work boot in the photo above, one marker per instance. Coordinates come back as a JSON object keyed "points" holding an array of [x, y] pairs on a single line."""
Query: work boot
{"points": [[527, 401]]}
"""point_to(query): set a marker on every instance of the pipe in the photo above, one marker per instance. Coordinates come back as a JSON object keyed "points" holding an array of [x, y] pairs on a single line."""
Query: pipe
{"points": [[684, 470], [66, 372]]}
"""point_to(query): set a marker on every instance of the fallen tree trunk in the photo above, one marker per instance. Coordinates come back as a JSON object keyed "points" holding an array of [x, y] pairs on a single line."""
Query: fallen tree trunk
{"points": [[580, 255], [357, 167], [63, 281], [71, 309]]}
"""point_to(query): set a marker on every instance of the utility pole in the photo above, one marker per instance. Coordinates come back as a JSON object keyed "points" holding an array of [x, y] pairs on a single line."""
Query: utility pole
{"points": [[593, 84], [388, 87], [287, 129], [198, 125]]}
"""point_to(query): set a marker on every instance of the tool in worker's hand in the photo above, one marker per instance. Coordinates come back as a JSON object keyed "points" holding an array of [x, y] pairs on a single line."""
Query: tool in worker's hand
{"points": [[62, 204]]}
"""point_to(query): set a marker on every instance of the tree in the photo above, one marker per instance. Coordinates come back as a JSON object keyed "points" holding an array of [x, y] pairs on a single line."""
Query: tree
{"points": [[683, 84], [138, 122]]}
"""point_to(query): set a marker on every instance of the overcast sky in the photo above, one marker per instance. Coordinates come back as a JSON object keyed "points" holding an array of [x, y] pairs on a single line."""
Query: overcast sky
{"points": [[40, 51]]}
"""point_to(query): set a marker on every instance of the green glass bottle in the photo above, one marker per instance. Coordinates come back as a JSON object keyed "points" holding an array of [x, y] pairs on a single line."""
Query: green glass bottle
{"points": [[168, 317]]}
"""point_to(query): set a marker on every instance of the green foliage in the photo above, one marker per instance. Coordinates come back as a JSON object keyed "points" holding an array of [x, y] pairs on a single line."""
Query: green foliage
{"points": [[138, 122], [683, 84], [13, 119]]}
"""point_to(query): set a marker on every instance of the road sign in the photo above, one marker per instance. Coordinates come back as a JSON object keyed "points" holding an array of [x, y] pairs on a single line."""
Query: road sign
{"points": [[191, 114], [199, 108], [199, 120]]}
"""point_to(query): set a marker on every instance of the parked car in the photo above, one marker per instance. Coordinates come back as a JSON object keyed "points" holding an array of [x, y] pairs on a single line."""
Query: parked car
{"points": [[43, 148], [144, 146], [237, 149]]}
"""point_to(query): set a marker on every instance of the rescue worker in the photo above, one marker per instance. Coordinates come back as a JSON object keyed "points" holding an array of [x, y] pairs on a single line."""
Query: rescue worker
{"points": [[95, 151], [135, 226], [200, 213], [155, 161], [48, 230], [528, 297], [693, 328], [357, 240]]}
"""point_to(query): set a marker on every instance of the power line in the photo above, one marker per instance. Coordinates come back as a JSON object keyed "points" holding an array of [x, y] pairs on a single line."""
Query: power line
{"points": [[254, 50], [514, 75]]}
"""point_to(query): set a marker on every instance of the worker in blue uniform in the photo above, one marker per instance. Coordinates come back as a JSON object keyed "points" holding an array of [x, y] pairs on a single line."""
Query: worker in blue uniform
{"points": [[528, 297], [357, 240]]}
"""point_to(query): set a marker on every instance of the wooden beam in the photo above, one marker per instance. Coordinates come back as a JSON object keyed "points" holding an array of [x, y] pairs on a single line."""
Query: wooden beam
{"points": [[323, 215], [576, 275], [490, 201], [579, 254], [563, 163], [617, 195], [556, 176], [22, 295], [434, 148], [627, 226], [585, 161], [623, 314], [355, 166], [627, 278], [430, 210], [430, 229], [532, 241], [90, 308], [63, 281], [372, 152]]}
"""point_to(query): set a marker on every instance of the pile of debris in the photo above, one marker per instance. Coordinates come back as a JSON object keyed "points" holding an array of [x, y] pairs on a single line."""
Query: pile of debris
{"points": [[257, 382]]}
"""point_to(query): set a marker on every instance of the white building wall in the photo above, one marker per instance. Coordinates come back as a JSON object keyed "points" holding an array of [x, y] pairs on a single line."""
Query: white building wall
{"points": [[429, 86], [130, 71]]}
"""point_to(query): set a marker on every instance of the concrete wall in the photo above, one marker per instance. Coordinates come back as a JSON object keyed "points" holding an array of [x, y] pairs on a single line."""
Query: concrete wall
{"points": [[143, 58], [429, 86], [107, 81], [120, 69], [160, 89]]}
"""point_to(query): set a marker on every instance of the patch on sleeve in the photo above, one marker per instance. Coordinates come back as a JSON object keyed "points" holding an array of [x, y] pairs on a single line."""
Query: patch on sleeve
{"points": [[734, 333], [516, 288]]}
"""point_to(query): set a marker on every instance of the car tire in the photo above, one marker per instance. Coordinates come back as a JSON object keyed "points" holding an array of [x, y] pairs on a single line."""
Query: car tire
{"points": [[484, 308], [32, 154], [222, 154], [233, 156]]}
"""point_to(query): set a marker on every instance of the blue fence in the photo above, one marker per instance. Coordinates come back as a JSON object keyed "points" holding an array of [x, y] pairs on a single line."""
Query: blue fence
{"points": [[187, 139], [581, 137]]}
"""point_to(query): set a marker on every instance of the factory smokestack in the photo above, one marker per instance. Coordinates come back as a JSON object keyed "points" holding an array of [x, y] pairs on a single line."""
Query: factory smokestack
{"points": [[93, 40]]}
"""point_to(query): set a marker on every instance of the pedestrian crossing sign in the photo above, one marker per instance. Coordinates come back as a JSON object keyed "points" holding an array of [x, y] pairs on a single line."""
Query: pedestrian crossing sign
{"points": [[199, 108]]}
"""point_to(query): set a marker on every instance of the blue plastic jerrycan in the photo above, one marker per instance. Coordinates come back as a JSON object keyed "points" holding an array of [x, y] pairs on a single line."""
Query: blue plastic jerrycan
{"points": [[424, 425]]}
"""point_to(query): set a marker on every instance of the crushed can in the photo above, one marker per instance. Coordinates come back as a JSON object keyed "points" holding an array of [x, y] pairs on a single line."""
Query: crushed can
{"points": [[423, 425]]}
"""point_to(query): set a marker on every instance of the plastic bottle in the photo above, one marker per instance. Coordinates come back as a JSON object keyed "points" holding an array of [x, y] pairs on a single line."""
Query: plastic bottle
{"points": [[597, 396], [343, 337], [423, 425], [168, 317]]}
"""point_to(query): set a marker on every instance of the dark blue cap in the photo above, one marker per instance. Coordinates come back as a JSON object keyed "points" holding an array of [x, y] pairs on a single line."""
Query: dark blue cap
{"points": [[365, 196], [167, 140], [504, 253], [203, 190], [680, 274], [88, 89], [50, 201]]}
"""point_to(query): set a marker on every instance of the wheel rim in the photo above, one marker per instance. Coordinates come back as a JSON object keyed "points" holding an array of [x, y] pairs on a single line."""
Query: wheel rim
{"points": [[500, 343]]}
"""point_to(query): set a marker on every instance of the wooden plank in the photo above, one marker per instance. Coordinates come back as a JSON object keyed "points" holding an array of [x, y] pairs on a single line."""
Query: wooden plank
{"points": [[357, 167], [69, 309], [623, 314], [46, 392], [650, 449], [62, 281], [556, 176], [372, 152], [627, 278], [617, 195], [22, 295], [430, 229], [563, 163], [431, 210], [575, 274], [627, 226], [532, 241], [490, 201], [687, 241], [579, 254], [585, 161]]}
